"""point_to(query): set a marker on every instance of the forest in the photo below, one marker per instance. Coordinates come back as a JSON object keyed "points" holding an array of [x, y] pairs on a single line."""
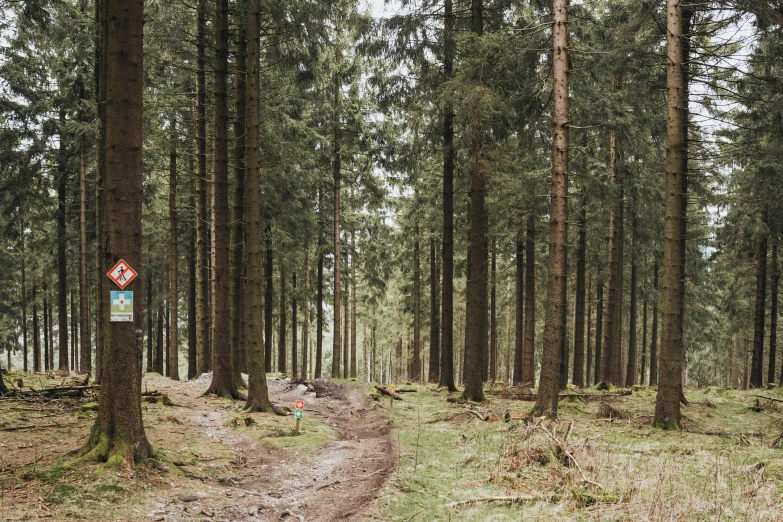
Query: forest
{"points": [[390, 259]]}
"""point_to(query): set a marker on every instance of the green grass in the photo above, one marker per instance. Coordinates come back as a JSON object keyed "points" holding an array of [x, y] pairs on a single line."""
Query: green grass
{"points": [[719, 466], [278, 431]]}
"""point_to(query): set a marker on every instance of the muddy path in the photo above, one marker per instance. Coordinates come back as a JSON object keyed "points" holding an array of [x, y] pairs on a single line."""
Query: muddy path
{"points": [[338, 481]]}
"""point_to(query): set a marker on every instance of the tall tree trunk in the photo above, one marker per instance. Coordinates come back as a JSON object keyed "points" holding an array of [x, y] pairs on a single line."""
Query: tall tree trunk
{"points": [[654, 331], [319, 327], [630, 373], [306, 313], [118, 437], [74, 332], [579, 297], [282, 347], [353, 304], [447, 322], [735, 362], [415, 369], [611, 347], [589, 369], [46, 318], [173, 257], [434, 366], [223, 384], [476, 311], [257, 391], [757, 370], [507, 378], [294, 355], [336, 173], [158, 357], [643, 366], [599, 325], [520, 304], [24, 318], [268, 299], [346, 328], [85, 358], [493, 337], [36, 335], [62, 269], [203, 347], [773, 306], [101, 59], [558, 216], [192, 281], [564, 352], [667, 407], [238, 201], [527, 376], [149, 318]]}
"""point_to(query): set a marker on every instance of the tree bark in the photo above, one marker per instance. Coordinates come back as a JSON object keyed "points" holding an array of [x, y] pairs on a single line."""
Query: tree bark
{"points": [[294, 355], [667, 407], [192, 283], [46, 318], [548, 389], [101, 59], [319, 328], [589, 369], [149, 318], [353, 304], [157, 365], [282, 347], [268, 299], [773, 307], [173, 257], [306, 313], [599, 325], [756, 369], [493, 336], [579, 297], [611, 348], [630, 373], [36, 335], [447, 323], [237, 247], [223, 384], [527, 377], [203, 347], [434, 366], [520, 304], [476, 313], [24, 317], [415, 368], [62, 269], [643, 366], [654, 331], [336, 174], [257, 391], [85, 358], [118, 437]]}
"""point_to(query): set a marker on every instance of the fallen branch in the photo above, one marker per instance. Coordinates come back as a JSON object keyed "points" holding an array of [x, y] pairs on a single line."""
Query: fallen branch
{"points": [[507, 500], [340, 481], [768, 398], [388, 393], [31, 426], [570, 455]]}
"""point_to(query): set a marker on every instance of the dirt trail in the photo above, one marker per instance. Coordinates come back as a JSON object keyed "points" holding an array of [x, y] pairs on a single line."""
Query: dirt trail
{"points": [[336, 482]]}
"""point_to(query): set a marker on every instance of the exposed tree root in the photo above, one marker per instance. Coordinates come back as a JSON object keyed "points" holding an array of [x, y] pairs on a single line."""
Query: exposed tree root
{"points": [[114, 451], [226, 391], [259, 407]]}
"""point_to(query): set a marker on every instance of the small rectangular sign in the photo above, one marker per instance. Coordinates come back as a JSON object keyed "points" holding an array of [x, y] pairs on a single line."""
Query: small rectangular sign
{"points": [[299, 404], [121, 306], [298, 414]]}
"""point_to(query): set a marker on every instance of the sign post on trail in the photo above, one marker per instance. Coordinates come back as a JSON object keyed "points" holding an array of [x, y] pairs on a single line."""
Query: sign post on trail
{"points": [[298, 410]]}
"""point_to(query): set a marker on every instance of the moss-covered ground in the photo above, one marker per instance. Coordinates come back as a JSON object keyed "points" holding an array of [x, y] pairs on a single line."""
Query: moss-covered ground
{"points": [[723, 465]]}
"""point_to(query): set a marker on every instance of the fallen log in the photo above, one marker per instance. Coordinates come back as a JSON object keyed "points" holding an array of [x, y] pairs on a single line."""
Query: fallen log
{"points": [[388, 393]]}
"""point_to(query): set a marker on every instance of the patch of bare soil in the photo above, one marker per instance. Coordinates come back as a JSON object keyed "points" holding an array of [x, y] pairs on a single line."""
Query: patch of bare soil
{"points": [[222, 473]]}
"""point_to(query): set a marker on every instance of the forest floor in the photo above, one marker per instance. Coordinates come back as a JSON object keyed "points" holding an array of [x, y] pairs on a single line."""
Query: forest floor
{"points": [[228, 465], [427, 457]]}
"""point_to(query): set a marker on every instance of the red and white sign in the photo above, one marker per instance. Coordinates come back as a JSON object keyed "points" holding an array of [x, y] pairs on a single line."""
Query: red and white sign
{"points": [[122, 274], [299, 405]]}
